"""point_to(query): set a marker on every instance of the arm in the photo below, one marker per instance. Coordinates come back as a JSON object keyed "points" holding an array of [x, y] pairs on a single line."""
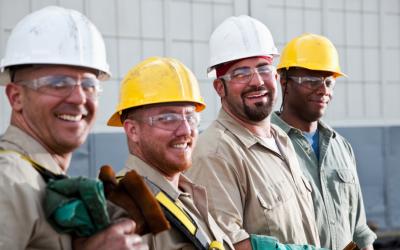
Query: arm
{"points": [[243, 245], [118, 236], [363, 235], [20, 207], [225, 190]]}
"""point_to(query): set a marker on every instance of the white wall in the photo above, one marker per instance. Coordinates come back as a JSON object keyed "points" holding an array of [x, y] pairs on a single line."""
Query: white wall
{"points": [[366, 33]]}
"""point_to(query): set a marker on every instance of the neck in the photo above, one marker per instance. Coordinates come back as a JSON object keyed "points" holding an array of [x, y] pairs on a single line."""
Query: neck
{"points": [[296, 122], [63, 161], [174, 180], [260, 128]]}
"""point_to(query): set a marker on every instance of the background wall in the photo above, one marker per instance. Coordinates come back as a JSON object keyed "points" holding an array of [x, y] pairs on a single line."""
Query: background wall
{"points": [[366, 104]]}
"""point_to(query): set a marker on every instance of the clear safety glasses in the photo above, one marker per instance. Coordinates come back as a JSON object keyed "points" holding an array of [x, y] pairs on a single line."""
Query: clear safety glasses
{"points": [[245, 74], [63, 86], [172, 121], [314, 82]]}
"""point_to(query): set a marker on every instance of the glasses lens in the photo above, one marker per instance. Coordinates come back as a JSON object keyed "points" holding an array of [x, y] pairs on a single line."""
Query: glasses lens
{"points": [[55, 85], [265, 71], [314, 82], [330, 82], [171, 121], [241, 75], [244, 75], [62, 86]]}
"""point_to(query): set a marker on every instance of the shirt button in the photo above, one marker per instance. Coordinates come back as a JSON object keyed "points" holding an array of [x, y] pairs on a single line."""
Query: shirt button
{"points": [[332, 222]]}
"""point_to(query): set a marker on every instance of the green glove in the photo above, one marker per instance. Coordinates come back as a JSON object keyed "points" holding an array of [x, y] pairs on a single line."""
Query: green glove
{"points": [[263, 242], [76, 205]]}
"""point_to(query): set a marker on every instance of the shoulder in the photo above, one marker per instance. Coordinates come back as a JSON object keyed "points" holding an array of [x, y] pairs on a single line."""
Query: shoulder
{"points": [[217, 139], [340, 140], [15, 169]]}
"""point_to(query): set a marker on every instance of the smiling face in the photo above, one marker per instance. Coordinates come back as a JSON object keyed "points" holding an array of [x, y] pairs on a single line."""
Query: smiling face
{"points": [[166, 148], [308, 105], [252, 101], [60, 124]]}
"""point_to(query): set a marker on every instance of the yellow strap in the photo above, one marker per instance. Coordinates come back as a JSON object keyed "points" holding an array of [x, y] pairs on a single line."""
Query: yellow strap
{"points": [[22, 157], [216, 245], [44, 172], [173, 208]]}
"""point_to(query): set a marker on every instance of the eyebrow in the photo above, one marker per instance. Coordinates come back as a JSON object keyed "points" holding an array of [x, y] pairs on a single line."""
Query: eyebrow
{"points": [[246, 67]]}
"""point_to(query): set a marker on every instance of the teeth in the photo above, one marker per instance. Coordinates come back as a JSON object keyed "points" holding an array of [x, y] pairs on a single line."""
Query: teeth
{"points": [[180, 145], [71, 118], [256, 95]]}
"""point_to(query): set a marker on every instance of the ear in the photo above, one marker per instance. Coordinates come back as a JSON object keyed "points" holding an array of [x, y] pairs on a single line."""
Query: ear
{"points": [[219, 86], [15, 96], [132, 130], [284, 84]]}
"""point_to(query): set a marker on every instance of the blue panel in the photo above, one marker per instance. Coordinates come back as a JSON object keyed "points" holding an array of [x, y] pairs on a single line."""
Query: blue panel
{"points": [[110, 149], [368, 147], [80, 163], [392, 165]]}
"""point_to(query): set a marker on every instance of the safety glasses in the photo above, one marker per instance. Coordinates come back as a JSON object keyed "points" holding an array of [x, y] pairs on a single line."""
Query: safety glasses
{"points": [[172, 121], [63, 86], [314, 82], [245, 74]]}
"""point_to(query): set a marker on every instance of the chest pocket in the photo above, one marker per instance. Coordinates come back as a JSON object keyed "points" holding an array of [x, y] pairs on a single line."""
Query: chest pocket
{"points": [[276, 201], [346, 176], [343, 188]]}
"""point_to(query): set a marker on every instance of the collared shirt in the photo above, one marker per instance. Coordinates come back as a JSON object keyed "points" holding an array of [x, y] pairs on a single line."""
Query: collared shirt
{"points": [[193, 200], [251, 188], [338, 203], [22, 188]]}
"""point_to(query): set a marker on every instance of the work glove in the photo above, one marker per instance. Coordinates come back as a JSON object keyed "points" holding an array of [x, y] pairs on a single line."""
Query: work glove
{"points": [[132, 194], [76, 206], [263, 242]]}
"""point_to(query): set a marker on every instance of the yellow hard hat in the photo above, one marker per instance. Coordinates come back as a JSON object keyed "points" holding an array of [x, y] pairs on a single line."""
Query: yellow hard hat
{"points": [[157, 80], [313, 52]]}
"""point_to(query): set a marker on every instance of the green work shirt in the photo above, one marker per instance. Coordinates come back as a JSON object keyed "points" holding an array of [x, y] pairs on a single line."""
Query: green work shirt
{"points": [[338, 203], [251, 188]]}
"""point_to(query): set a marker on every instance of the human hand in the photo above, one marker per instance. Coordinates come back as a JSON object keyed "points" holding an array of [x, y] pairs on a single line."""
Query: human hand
{"points": [[117, 236]]}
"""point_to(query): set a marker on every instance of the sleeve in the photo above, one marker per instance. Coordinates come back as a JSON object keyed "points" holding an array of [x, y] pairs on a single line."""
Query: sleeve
{"points": [[17, 222], [225, 186], [363, 235]]}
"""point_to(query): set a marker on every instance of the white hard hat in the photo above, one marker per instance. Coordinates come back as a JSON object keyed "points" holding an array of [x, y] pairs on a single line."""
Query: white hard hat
{"points": [[54, 35], [240, 37]]}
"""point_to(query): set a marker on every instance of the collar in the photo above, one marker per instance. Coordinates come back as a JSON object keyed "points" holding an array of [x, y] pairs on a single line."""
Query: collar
{"points": [[322, 126], [142, 168], [243, 134]]}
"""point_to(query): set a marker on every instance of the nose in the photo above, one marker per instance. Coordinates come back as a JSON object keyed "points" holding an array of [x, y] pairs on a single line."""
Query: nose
{"points": [[77, 95], [323, 89], [256, 79], [184, 129]]}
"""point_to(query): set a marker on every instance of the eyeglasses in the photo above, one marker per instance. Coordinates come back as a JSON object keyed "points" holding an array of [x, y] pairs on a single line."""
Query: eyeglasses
{"points": [[63, 86], [314, 82], [245, 74], [172, 121]]}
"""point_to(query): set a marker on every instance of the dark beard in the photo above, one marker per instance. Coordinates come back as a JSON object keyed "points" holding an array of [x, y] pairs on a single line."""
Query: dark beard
{"points": [[262, 111]]}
